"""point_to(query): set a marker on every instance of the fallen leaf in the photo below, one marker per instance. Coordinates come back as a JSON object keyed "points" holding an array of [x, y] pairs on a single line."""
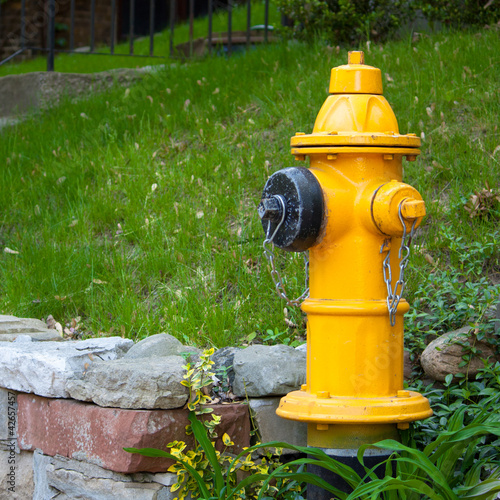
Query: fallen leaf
{"points": [[73, 223], [99, 282], [59, 329], [429, 259]]}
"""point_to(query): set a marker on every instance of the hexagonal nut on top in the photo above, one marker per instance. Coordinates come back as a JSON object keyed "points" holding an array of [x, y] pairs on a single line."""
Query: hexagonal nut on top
{"points": [[271, 208]]}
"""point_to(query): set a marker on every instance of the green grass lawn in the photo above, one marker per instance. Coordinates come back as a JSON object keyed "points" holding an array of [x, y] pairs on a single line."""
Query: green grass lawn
{"points": [[136, 210], [88, 63]]}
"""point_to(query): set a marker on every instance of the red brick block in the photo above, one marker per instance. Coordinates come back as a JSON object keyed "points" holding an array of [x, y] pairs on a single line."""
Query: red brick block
{"points": [[98, 435]]}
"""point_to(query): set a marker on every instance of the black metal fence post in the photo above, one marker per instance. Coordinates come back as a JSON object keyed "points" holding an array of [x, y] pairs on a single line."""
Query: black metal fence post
{"points": [[23, 25], [51, 34], [229, 26], [249, 21], [132, 27], [191, 27], [113, 24], [266, 22], [92, 25], [151, 26], [72, 26], [172, 26], [210, 27]]}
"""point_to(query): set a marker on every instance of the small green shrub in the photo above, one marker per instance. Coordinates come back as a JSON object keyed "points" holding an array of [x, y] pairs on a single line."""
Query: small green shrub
{"points": [[345, 21], [474, 397], [460, 13]]}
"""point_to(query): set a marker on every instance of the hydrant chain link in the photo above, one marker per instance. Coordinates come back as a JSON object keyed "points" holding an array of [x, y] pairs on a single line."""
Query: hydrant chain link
{"points": [[269, 253], [394, 296]]}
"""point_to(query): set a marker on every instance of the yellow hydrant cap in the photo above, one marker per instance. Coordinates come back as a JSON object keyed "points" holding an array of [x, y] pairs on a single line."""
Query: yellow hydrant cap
{"points": [[356, 77]]}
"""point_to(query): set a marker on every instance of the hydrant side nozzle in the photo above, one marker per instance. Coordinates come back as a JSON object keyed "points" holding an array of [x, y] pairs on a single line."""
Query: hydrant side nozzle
{"points": [[292, 209], [386, 202]]}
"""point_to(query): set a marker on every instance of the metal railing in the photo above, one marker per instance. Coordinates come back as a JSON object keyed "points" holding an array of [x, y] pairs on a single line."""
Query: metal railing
{"points": [[51, 8]]}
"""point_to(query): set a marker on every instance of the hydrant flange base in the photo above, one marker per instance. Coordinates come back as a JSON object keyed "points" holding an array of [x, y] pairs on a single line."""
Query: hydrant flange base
{"points": [[364, 139], [354, 149], [306, 407]]}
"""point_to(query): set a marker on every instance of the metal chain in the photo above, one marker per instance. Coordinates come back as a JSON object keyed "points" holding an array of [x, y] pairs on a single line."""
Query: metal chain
{"points": [[394, 296], [275, 274]]}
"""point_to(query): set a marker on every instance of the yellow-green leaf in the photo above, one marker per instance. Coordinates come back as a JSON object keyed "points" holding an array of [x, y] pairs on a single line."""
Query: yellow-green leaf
{"points": [[227, 440]]}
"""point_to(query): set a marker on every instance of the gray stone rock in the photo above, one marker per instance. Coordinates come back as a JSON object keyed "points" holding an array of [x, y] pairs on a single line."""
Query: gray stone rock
{"points": [[43, 368], [164, 478], [146, 383], [158, 345], [42, 490], [12, 328], [16, 475], [40, 90], [262, 370], [223, 362], [302, 347], [73, 479], [444, 355], [274, 428]]}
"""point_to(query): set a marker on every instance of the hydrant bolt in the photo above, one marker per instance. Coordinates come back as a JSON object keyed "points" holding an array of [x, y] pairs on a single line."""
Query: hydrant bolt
{"points": [[270, 209]]}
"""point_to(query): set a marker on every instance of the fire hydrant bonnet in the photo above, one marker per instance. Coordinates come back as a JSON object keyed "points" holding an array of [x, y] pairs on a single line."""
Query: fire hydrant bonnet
{"points": [[355, 77]]}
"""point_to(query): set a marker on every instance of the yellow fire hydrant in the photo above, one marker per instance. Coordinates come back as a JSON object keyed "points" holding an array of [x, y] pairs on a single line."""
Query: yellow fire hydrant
{"points": [[356, 217]]}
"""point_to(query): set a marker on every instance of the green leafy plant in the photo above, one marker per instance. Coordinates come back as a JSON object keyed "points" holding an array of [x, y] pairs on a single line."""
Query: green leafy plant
{"points": [[276, 336], [459, 393], [446, 300], [198, 379], [461, 13], [206, 465], [345, 21], [448, 468], [208, 474]]}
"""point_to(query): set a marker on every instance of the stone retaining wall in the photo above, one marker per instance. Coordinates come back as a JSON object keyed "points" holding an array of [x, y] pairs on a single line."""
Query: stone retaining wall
{"points": [[68, 408]]}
